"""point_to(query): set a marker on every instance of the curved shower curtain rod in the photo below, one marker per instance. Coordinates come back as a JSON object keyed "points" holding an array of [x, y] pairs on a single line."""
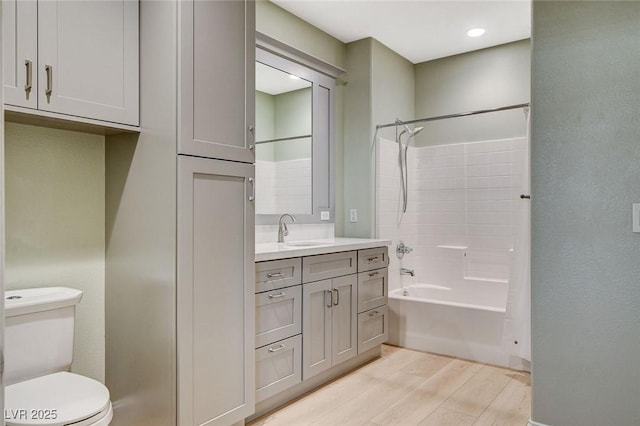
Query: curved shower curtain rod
{"points": [[444, 117]]}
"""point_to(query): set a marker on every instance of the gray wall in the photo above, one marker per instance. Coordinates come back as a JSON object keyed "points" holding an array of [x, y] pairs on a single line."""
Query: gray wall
{"points": [[487, 78], [586, 171], [282, 25]]}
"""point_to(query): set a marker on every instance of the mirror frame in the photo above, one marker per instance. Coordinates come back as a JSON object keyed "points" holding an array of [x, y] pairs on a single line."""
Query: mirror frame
{"points": [[322, 76]]}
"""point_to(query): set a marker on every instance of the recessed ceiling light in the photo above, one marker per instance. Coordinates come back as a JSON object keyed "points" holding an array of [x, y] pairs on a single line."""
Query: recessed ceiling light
{"points": [[476, 32], [294, 77]]}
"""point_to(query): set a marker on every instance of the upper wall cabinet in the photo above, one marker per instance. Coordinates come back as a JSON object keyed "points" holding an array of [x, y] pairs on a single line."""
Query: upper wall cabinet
{"points": [[217, 52], [75, 58]]}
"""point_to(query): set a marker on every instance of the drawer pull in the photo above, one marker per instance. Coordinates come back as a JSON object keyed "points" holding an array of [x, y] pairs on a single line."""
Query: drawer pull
{"points": [[373, 314], [275, 274], [373, 274], [277, 295], [371, 259], [277, 348]]}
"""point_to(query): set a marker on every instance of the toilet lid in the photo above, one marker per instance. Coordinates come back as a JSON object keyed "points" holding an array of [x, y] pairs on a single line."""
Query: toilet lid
{"points": [[54, 400]]}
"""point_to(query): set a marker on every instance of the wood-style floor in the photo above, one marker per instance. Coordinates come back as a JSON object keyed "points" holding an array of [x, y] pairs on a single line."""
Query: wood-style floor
{"points": [[406, 387]]}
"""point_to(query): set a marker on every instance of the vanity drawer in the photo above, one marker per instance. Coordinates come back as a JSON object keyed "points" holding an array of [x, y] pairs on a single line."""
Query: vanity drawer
{"points": [[373, 328], [374, 258], [372, 289], [324, 266], [276, 274], [278, 314], [278, 367]]}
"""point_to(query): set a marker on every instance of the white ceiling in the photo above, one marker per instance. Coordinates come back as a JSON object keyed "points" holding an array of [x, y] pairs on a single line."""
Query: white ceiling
{"points": [[274, 82], [419, 30]]}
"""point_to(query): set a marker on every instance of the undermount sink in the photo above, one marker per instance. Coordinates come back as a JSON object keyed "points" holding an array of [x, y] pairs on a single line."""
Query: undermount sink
{"points": [[307, 243]]}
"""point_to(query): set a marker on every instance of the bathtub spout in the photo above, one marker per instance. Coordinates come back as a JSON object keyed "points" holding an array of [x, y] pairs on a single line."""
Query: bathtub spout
{"points": [[406, 271]]}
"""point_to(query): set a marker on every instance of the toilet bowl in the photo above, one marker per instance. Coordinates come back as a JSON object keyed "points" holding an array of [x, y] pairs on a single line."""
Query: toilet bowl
{"points": [[39, 326]]}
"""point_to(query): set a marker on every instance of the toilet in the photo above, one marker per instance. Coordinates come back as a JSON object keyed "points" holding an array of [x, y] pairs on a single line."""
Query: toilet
{"points": [[40, 390]]}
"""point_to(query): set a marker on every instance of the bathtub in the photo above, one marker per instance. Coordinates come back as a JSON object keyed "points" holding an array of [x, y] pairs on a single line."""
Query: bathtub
{"points": [[465, 322]]}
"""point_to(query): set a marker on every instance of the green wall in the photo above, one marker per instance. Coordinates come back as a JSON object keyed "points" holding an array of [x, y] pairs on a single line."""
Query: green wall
{"points": [[55, 216], [586, 171], [483, 79]]}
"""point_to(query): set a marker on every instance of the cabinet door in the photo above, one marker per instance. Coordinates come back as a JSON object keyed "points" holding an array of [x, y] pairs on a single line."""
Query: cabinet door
{"points": [[215, 292], [316, 328], [217, 73], [88, 59], [344, 318], [20, 52]]}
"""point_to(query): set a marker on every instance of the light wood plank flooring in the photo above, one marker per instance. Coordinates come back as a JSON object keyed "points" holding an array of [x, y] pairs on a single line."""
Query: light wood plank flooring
{"points": [[406, 387]]}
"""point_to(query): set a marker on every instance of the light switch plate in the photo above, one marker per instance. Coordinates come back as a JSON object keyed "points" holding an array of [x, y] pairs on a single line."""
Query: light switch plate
{"points": [[636, 217], [324, 215], [353, 215]]}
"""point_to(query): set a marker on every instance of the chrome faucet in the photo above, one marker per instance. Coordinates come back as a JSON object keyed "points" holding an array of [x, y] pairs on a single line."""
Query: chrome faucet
{"points": [[406, 271], [402, 249], [282, 227]]}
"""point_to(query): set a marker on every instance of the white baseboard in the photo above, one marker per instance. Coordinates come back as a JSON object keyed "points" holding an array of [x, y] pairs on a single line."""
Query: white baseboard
{"points": [[532, 423]]}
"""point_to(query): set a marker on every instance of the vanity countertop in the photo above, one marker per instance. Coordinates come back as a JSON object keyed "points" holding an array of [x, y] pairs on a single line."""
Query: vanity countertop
{"points": [[272, 251]]}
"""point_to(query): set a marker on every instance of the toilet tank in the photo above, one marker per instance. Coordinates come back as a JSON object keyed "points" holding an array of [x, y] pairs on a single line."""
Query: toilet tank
{"points": [[39, 328]]}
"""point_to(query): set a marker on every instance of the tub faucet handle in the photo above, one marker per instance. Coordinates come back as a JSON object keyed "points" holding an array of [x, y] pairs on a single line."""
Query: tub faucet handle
{"points": [[402, 249]]}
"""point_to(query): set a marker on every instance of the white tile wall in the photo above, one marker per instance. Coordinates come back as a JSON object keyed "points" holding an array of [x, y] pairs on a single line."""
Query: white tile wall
{"points": [[283, 186], [459, 217]]}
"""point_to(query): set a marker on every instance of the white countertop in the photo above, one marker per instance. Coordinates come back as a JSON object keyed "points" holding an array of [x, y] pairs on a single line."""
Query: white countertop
{"points": [[272, 251]]}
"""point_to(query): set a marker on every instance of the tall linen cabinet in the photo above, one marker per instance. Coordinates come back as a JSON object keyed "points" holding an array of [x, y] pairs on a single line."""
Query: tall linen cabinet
{"points": [[180, 223]]}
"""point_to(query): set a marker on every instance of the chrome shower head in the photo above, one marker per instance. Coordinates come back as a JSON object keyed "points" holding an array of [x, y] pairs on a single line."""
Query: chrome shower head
{"points": [[417, 130]]}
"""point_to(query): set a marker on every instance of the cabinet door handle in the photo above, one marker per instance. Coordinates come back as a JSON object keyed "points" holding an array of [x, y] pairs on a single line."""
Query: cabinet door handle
{"points": [[277, 295], [277, 348], [29, 70], [49, 70], [252, 197], [328, 293], [373, 314], [373, 274], [275, 274], [337, 293]]}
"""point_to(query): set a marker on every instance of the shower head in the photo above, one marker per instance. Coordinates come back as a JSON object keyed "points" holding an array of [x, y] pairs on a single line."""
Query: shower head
{"points": [[416, 130]]}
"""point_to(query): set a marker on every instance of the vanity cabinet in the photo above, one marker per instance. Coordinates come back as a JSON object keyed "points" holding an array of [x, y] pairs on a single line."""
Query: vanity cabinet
{"points": [[217, 79], [215, 292], [329, 325], [73, 58], [278, 326], [344, 317]]}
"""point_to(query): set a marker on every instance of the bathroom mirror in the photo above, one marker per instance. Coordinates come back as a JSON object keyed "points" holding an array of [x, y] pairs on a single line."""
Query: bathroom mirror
{"points": [[294, 134], [283, 142]]}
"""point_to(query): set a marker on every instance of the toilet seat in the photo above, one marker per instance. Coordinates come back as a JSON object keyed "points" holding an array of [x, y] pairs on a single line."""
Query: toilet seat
{"points": [[57, 399]]}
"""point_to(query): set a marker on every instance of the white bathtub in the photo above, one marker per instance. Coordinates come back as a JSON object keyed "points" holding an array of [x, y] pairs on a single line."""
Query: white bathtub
{"points": [[465, 322]]}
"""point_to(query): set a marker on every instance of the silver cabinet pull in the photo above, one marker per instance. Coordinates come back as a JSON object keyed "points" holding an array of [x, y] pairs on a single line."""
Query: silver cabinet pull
{"points": [[252, 197], [275, 274], [49, 70], [373, 314], [337, 293], [371, 259], [29, 70], [373, 274], [328, 293], [277, 295], [277, 348]]}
